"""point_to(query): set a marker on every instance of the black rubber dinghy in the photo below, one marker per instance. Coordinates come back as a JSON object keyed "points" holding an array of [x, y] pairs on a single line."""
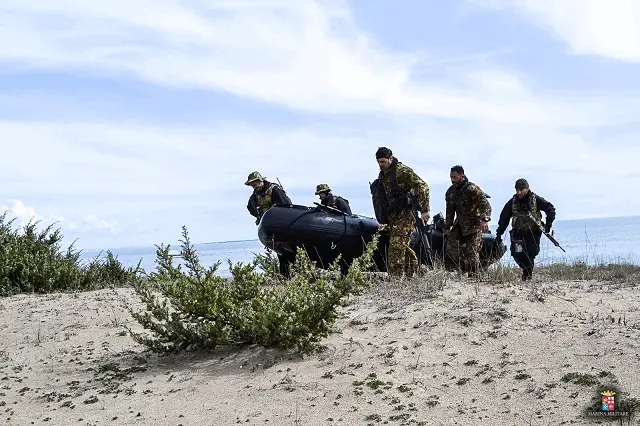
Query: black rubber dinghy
{"points": [[324, 233]]}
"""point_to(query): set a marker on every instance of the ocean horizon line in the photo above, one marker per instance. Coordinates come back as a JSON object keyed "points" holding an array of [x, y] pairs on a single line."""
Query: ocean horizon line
{"points": [[256, 239]]}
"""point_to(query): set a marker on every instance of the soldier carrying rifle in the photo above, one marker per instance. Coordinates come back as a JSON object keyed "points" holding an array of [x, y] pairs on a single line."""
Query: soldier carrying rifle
{"points": [[524, 210]]}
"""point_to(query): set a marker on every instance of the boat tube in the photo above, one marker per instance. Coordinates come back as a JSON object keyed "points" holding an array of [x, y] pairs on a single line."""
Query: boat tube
{"points": [[324, 233]]}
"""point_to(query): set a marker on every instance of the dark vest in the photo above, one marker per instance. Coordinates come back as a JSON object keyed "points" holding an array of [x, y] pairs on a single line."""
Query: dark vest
{"points": [[520, 221], [263, 200]]}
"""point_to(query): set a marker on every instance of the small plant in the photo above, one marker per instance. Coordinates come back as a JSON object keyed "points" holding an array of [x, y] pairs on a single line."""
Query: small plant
{"points": [[197, 309], [433, 400], [580, 379], [463, 381], [33, 261]]}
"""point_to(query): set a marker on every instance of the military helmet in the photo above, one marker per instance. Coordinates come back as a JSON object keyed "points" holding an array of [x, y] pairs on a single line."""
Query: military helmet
{"points": [[253, 176], [323, 187]]}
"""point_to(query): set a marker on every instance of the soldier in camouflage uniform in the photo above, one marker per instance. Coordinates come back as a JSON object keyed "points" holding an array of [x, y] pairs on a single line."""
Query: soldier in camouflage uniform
{"points": [[265, 195], [525, 234], [399, 185], [469, 205], [328, 199]]}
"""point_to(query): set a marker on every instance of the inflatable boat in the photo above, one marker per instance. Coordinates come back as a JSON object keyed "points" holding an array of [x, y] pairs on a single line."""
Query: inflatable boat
{"points": [[324, 233]]}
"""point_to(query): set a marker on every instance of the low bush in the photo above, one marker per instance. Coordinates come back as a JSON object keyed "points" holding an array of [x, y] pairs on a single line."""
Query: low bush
{"points": [[34, 261], [196, 309]]}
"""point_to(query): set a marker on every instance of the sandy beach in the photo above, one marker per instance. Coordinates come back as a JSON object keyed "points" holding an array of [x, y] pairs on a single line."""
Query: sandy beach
{"points": [[455, 353]]}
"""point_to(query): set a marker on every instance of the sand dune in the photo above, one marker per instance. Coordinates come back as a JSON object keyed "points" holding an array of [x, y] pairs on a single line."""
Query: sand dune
{"points": [[461, 354]]}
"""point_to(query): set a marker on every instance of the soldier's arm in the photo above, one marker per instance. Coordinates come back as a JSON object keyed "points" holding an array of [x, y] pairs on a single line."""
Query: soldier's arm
{"points": [[252, 210], [420, 188], [548, 209], [343, 206], [480, 201], [279, 196], [424, 195], [505, 217]]}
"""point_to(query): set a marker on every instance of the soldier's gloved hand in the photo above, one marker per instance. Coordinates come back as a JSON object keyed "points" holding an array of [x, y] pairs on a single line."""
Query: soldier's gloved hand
{"points": [[547, 229], [257, 221]]}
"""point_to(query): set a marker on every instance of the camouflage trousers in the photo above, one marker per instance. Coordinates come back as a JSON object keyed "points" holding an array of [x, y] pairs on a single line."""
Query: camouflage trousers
{"points": [[463, 249], [401, 258]]}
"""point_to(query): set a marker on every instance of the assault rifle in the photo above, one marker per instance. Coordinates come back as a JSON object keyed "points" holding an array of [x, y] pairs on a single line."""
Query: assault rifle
{"points": [[422, 231], [329, 208], [546, 234]]}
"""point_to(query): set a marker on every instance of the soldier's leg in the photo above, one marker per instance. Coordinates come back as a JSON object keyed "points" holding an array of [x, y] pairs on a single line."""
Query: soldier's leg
{"points": [[531, 249], [395, 258], [520, 255], [400, 253], [284, 264], [452, 256], [473, 243], [410, 258]]}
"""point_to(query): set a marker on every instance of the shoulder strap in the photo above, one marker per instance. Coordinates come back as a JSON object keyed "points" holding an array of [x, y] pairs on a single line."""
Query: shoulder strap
{"points": [[270, 188]]}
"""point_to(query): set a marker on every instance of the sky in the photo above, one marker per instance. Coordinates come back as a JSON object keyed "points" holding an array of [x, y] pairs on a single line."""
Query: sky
{"points": [[123, 121]]}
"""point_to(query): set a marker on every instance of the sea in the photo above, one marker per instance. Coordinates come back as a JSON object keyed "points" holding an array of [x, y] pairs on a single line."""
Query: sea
{"points": [[593, 241]]}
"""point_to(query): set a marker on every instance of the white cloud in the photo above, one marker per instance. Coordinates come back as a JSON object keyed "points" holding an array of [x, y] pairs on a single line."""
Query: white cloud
{"points": [[22, 214], [300, 54], [18, 211], [589, 27], [92, 222]]}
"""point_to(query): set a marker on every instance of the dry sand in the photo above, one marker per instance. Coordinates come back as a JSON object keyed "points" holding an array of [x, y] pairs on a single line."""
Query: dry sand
{"points": [[461, 354]]}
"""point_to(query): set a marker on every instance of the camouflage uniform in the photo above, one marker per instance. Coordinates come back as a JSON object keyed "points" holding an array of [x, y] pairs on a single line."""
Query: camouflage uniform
{"points": [[399, 183], [470, 207], [331, 200], [261, 201]]}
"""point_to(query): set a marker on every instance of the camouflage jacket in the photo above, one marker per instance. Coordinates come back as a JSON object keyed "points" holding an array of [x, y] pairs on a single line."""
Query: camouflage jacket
{"points": [[261, 201], [400, 184], [468, 204], [337, 202]]}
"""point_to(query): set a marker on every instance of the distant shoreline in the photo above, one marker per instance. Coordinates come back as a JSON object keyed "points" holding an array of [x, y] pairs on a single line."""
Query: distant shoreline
{"points": [[494, 225], [172, 244]]}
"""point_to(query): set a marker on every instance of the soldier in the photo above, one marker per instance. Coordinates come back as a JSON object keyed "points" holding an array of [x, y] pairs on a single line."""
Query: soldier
{"points": [[525, 234], [469, 205], [404, 193], [265, 195], [328, 199]]}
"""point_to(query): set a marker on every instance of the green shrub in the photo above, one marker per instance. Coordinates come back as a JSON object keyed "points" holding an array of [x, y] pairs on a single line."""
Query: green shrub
{"points": [[34, 261], [197, 309]]}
